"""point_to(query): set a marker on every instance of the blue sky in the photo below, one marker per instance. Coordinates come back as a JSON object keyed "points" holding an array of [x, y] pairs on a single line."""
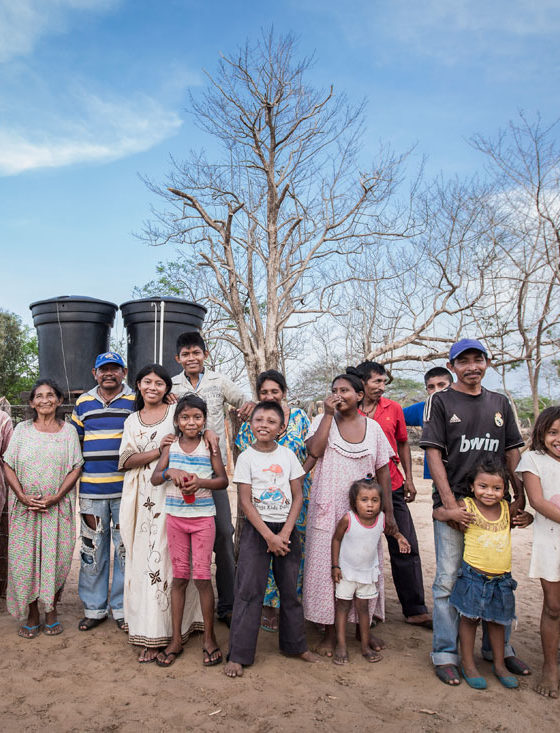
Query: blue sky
{"points": [[93, 93]]}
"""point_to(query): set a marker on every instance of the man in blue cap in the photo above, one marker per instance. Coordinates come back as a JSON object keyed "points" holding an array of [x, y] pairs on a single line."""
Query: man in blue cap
{"points": [[99, 417], [462, 425]]}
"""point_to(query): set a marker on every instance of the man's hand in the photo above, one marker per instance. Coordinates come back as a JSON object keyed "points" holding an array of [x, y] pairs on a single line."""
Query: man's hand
{"points": [[404, 544], [172, 399], [245, 410], [211, 441], [517, 505], [409, 491], [522, 520], [459, 517]]}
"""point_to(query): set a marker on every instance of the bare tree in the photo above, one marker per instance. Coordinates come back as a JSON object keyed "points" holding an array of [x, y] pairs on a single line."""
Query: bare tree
{"points": [[275, 221], [523, 302], [413, 302]]}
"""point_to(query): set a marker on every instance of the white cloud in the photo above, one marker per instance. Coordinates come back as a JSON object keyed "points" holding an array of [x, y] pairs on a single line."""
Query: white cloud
{"points": [[102, 130], [23, 22]]}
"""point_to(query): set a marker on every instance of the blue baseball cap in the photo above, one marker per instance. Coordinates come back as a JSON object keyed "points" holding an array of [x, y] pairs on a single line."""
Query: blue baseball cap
{"points": [[466, 345], [109, 357]]}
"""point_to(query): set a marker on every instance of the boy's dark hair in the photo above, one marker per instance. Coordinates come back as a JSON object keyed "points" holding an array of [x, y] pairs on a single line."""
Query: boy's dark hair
{"points": [[542, 426], [274, 376], [367, 368], [189, 400], [149, 369], [352, 377], [438, 372], [269, 405], [189, 338], [493, 466], [363, 483]]}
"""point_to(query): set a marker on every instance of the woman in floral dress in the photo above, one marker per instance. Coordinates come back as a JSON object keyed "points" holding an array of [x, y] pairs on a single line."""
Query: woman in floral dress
{"points": [[42, 464], [272, 386], [348, 447], [148, 572]]}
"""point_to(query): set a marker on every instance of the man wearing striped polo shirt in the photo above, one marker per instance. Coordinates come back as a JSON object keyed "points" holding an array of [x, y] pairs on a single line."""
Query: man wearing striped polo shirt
{"points": [[99, 417]]}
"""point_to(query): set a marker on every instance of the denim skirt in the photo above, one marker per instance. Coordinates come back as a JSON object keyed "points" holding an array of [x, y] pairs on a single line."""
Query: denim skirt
{"points": [[485, 597]]}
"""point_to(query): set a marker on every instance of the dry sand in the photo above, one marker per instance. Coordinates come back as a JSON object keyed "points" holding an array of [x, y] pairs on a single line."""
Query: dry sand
{"points": [[92, 682]]}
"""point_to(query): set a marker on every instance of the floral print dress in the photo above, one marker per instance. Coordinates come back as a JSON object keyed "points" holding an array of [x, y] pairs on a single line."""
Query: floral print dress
{"points": [[293, 438], [40, 545], [148, 573]]}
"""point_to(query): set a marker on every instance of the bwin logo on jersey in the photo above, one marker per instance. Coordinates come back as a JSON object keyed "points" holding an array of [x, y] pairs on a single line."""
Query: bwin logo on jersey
{"points": [[484, 443]]}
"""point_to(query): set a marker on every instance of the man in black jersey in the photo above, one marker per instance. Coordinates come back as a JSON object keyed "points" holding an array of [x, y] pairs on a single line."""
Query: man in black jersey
{"points": [[462, 425]]}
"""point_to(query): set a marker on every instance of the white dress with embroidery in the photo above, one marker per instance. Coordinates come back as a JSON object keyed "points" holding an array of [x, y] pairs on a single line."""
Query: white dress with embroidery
{"points": [[148, 573]]}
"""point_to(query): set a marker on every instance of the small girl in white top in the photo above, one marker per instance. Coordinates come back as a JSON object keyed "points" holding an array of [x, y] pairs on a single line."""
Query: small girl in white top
{"points": [[540, 469], [355, 566]]}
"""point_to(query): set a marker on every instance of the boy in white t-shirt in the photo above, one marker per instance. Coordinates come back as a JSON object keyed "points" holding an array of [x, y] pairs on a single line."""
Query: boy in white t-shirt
{"points": [[268, 478]]}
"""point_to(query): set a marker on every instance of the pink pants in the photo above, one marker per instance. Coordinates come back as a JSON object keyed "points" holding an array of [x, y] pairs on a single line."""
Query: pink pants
{"points": [[184, 533]]}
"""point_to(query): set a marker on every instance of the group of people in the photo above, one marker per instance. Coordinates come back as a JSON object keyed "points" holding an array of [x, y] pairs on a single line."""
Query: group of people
{"points": [[151, 467]]}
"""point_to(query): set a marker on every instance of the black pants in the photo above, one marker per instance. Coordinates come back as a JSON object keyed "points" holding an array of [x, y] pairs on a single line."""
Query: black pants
{"points": [[406, 568], [250, 585]]}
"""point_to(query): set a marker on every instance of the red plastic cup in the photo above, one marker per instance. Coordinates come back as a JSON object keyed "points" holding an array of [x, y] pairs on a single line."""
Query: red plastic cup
{"points": [[188, 498]]}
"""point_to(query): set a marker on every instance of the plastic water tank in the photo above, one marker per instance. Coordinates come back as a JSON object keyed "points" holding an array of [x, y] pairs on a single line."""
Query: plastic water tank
{"points": [[153, 325], [72, 330]]}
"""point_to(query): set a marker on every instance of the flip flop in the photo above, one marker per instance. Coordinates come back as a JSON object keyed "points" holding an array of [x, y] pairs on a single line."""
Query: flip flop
{"points": [[448, 673], [509, 681], [32, 631], [372, 656], [268, 624], [172, 656], [53, 629], [121, 624], [517, 666], [207, 657], [141, 660], [340, 659], [90, 623]]}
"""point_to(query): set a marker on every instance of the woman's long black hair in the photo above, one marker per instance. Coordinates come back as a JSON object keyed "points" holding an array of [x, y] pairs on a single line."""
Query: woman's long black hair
{"points": [[159, 371]]}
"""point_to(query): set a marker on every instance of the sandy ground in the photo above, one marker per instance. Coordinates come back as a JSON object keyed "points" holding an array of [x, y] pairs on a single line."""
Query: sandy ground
{"points": [[92, 682]]}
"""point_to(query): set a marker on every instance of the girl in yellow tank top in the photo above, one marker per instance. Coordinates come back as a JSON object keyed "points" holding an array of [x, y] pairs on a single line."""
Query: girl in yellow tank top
{"points": [[484, 586]]}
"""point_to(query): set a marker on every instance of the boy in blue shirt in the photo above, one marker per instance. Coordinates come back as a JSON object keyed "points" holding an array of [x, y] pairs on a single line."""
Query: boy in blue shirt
{"points": [[435, 380]]}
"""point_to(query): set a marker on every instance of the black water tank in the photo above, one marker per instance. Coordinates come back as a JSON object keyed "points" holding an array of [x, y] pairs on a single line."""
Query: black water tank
{"points": [[147, 341], [72, 330]]}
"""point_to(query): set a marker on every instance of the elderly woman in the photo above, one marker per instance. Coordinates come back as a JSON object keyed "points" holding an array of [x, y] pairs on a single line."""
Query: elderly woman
{"points": [[271, 386], [42, 464]]}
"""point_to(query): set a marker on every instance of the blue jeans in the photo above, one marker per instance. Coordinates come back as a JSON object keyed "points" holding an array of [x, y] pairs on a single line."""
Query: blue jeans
{"points": [[449, 544], [95, 553]]}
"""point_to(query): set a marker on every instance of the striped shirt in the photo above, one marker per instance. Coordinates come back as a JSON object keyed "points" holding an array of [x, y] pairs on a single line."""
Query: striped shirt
{"points": [[197, 462], [100, 428]]}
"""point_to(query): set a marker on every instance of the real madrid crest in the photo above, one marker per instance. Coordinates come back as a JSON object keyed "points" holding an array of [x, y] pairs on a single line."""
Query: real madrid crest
{"points": [[498, 419]]}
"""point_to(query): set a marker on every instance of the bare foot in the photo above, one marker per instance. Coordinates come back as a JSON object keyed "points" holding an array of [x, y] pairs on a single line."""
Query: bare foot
{"points": [[422, 619], [340, 655], [309, 657], [233, 669], [375, 642], [547, 686], [325, 648], [371, 655], [471, 671]]}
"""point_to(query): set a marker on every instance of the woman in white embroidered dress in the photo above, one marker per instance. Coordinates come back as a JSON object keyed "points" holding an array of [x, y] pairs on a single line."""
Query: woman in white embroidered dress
{"points": [[148, 571]]}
